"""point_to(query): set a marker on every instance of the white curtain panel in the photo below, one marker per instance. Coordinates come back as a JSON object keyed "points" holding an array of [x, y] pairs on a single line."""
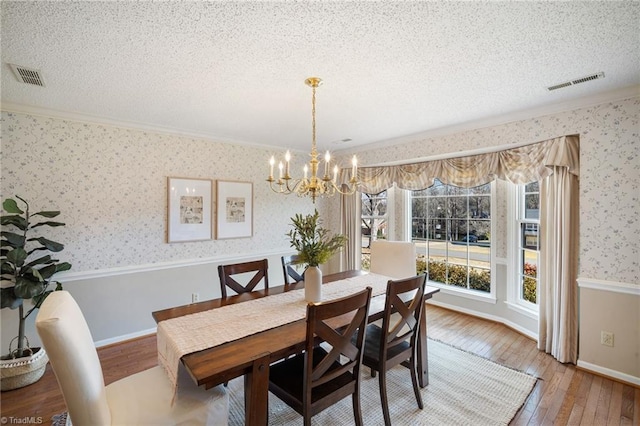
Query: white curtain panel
{"points": [[558, 289], [349, 222]]}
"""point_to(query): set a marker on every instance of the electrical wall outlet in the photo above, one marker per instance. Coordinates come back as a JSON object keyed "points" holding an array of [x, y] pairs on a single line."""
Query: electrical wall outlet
{"points": [[606, 338], [195, 297]]}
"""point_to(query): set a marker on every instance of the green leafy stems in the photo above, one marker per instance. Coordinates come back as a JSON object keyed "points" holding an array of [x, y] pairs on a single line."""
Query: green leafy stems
{"points": [[28, 273], [311, 241]]}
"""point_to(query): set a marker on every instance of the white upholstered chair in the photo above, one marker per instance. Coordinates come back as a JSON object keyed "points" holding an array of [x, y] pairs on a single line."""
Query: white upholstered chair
{"points": [[395, 259], [144, 398]]}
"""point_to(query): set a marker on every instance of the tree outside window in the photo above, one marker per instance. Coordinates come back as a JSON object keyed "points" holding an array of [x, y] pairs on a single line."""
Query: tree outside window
{"points": [[373, 223], [451, 227]]}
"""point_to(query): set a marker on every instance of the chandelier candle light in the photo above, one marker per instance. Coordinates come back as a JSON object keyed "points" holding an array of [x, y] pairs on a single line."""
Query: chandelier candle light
{"points": [[313, 186]]}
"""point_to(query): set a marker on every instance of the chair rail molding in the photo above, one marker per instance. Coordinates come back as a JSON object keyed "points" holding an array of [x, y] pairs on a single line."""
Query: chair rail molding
{"points": [[132, 269], [612, 286]]}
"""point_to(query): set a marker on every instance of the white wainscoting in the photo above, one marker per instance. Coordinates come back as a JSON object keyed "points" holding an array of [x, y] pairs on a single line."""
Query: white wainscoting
{"points": [[613, 307]]}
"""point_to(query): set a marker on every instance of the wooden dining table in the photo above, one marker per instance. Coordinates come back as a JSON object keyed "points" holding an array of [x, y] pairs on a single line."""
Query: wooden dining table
{"points": [[251, 356]]}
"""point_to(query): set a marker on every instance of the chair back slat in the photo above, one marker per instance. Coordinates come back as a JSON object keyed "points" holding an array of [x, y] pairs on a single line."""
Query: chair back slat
{"points": [[343, 350], [291, 275], [405, 297], [259, 268]]}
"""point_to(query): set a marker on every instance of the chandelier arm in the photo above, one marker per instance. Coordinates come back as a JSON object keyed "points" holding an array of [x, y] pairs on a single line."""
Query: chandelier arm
{"points": [[284, 186], [351, 189]]}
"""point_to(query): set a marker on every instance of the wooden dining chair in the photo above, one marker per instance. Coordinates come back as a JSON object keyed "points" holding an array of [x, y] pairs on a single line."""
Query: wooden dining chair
{"points": [[259, 268], [313, 381], [291, 274], [395, 342]]}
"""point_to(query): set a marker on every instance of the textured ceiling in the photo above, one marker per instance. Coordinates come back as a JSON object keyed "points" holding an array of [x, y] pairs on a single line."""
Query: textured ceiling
{"points": [[235, 71]]}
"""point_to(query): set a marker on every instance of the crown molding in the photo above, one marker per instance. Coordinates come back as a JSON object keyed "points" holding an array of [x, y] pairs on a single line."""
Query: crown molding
{"points": [[526, 114], [122, 124]]}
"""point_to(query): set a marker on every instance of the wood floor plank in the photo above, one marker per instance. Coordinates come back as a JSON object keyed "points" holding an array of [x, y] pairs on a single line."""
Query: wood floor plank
{"points": [[636, 407], [602, 410], [575, 418], [528, 357], [626, 409], [568, 397], [588, 416], [615, 404], [526, 412], [550, 391], [580, 399]]}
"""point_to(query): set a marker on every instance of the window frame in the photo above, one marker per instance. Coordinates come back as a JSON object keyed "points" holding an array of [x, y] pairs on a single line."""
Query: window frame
{"points": [[516, 211], [488, 297]]}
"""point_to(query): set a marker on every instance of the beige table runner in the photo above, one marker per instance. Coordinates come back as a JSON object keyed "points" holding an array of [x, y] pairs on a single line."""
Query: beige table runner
{"points": [[191, 333]]}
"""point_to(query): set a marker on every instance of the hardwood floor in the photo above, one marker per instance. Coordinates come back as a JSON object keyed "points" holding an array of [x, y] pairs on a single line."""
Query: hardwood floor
{"points": [[564, 395]]}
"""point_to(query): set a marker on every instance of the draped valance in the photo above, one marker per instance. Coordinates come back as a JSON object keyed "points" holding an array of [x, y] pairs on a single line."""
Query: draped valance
{"points": [[520, 165]]}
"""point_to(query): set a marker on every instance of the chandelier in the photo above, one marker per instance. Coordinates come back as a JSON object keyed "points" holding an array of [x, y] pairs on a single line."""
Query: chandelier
{"points": [[313, 186]]}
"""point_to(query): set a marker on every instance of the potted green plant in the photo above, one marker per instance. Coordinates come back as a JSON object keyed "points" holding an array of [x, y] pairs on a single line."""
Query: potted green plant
{"points": [[314, 246], [26, 275]]}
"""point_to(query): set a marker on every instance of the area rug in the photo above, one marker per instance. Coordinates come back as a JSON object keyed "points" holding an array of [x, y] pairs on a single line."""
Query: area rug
{"points": [[463, 389]]}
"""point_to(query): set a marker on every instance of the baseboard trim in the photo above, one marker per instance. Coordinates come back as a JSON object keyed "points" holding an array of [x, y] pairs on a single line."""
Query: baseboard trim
{"points": [[512, 325], [609, 373], [125, 337]]}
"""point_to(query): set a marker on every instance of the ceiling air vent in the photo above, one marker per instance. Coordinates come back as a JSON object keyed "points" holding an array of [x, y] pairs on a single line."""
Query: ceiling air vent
{"points": [[576, 81], [345, 140], [27, 75]]}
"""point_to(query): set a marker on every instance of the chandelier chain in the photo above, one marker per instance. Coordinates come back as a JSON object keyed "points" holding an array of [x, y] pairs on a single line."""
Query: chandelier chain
{"points": [[314, 151]]}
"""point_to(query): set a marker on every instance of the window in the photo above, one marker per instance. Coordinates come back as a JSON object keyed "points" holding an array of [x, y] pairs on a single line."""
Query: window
{"points": [[451, 228], [528, 231], [373, 222]]}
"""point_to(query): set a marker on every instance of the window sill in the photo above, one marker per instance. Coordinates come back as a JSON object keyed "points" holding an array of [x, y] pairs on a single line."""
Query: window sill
{"points": [[522, 310], [462, 292]]}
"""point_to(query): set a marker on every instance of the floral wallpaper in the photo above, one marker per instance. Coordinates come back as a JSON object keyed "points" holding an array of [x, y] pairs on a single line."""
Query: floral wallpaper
{"points": [[609, 176], [110, 185]]}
